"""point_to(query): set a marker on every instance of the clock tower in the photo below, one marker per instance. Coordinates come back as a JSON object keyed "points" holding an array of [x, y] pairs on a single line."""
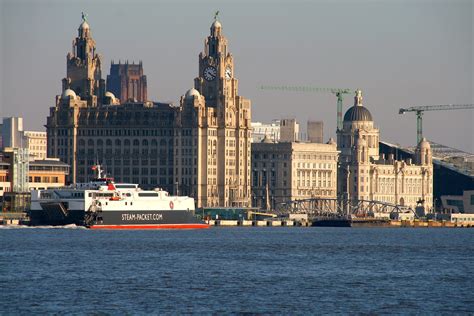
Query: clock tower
{"points": [[216, 80], [84, 73], [221, 128]]}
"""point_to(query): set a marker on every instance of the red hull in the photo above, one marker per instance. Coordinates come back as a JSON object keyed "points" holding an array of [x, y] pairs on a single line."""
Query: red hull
{"points": [[152, 226]]}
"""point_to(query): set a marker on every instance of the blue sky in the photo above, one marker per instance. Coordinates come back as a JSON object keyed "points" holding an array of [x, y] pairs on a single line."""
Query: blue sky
{"points": [[400, 53]]}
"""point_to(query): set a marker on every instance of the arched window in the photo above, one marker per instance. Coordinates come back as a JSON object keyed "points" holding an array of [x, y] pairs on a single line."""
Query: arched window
{"points": [[136, 142], [154, 143], [126, 142], [118, 142], [163, 143], [82, 142], [90, 142], [108, 142], [144, 142], [100, 143]]}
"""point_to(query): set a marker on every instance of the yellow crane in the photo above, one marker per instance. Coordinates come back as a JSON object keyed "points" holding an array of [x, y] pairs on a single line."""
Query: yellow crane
{"points": [[419, 114], [338, 92]]}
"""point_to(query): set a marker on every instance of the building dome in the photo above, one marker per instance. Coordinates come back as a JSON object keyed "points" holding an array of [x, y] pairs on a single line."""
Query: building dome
{"points": [[266, 140], [358, 112], [110, 98], [192, 93], [110, 95], [68, 93]]}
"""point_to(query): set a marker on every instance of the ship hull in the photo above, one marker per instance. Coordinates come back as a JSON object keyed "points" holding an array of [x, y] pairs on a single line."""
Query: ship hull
{"points": [[152, 226], [332, 222], [169, 219], [54, 216], [117, 219]]}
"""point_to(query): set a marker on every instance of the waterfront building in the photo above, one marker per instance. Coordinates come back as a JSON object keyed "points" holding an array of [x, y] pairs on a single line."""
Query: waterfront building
{"points": [[366, 175], [290, 170], [133, 141], [201, 148], [127, 82], [213, 132], [19, 174], [260, 130], [448, 178], [459, 203]]}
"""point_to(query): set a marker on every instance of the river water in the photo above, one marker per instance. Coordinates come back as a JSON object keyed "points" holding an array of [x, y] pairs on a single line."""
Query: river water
{"points": [[237, 270]]}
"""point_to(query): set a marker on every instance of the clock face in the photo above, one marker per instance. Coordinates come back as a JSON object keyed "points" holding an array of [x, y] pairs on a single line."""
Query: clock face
{"points": [[210, 73], [228, 73]]}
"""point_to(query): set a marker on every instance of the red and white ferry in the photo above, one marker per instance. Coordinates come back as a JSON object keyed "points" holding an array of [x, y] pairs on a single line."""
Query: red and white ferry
{"points": [[103, 204]]}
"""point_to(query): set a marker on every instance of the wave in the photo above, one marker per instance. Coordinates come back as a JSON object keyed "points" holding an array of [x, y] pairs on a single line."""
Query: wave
{"points": [[70, 226]]}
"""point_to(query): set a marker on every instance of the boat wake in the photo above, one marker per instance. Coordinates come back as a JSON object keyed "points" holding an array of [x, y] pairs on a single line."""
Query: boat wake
{"points": [[70, 226]]}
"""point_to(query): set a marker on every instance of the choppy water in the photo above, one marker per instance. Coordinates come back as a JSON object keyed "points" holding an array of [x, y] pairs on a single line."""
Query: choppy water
{"points": [[237, 270]]}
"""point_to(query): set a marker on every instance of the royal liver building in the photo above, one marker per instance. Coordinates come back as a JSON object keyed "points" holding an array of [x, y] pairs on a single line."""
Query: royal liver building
{"points": [[133, 141], [200, 149], [214, 130]]}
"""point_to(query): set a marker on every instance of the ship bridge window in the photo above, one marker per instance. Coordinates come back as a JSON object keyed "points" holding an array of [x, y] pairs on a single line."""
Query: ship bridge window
{"points": [[46, 195], [148, 194], [125, 186], [99, 195]]}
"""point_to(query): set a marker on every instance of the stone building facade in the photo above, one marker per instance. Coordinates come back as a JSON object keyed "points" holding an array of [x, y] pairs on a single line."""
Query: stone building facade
{"points": [[213, 132], [39, 174], [36, 143], [366, 175], [291, 171], [201, 148], [84, 68], [134, 141], [127, 82]]}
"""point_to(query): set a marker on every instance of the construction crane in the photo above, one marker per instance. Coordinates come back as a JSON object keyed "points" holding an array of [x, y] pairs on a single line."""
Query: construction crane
{"points": [[419, 114], [338, 92]]}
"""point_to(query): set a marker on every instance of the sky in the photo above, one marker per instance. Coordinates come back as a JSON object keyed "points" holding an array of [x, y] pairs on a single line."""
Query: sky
{"points": [[399, 53]]}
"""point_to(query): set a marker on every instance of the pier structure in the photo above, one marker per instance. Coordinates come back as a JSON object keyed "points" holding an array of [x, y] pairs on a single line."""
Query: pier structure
{"points": [[333, 207]]}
